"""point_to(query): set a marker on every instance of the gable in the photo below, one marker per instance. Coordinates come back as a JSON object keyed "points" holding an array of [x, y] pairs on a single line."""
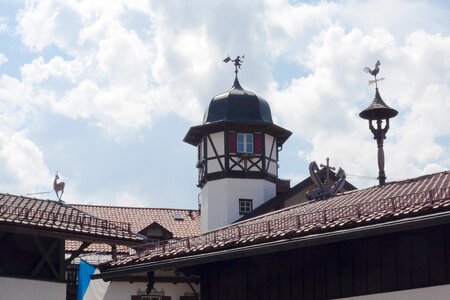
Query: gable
{"points": [[156, 231]]}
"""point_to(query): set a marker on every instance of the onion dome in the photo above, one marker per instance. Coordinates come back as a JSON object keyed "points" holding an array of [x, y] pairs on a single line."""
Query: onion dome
{"points": [[238, 105], [237, 109]]}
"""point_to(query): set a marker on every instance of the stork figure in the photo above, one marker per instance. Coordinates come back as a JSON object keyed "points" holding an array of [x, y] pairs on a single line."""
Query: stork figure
{"points": [[58, 187], [374, 73]]}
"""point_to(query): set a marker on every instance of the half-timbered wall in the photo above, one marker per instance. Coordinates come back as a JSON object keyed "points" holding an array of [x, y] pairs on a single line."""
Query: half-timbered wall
{"points": [[227, 175], [220, 199], [215, 152], [218, 157], [271, 155], [30, 256], [374, 265]]}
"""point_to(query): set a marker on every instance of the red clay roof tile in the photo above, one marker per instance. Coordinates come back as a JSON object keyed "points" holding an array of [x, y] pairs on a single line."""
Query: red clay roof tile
{"points": [[425, 194], [140, 218], [56, 217]]}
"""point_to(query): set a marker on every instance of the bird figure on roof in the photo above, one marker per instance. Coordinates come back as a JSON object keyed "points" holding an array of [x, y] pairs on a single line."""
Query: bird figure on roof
{"points": [[58, 187], [374, 73]]}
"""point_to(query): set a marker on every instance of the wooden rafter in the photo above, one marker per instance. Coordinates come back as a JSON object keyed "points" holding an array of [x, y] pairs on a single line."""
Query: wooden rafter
{"points": [[76, 253]]}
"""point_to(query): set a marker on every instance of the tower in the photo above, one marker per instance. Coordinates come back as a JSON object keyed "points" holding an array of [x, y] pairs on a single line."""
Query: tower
{"points": [[238, 146]]}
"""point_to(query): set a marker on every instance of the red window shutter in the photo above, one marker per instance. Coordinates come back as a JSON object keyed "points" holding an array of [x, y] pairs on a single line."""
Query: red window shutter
{"points": [[258, 143], [232, 142]]}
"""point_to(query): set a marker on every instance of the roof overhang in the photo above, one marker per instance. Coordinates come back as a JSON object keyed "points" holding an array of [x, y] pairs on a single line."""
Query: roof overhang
{"points": [[69, 235], [195, 133], [283, 245]]}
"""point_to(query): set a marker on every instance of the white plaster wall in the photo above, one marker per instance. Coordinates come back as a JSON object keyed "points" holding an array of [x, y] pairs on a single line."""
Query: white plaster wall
{"points": [[220, 199], [441, 292], [218, 140], [124, 290], [18, 289], [268, 144], [213, 166]]}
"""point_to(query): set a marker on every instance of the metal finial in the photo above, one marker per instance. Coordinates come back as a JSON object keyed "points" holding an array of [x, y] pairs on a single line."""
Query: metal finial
{"points": [[237, 62], [374, 73]]}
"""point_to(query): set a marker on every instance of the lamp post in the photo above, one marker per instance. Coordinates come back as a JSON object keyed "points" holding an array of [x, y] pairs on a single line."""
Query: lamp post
{"points": [[378, 111]]}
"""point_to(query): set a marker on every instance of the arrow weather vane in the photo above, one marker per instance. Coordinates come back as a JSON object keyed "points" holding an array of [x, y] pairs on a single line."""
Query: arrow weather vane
{"points": [[374, 72], [237, 62]]}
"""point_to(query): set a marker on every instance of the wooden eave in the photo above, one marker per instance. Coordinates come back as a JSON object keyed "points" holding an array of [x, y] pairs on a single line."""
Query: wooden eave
{"points": [[195, 133], [68, 235]]}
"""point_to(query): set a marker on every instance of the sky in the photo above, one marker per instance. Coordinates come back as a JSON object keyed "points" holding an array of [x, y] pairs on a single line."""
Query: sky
{"points": [[103, 92]]}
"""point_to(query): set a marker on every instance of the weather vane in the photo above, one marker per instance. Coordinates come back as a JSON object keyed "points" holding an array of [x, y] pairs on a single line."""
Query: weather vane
{"points": [[379, 112], [58, 187], [237, 62], [374, 72]]}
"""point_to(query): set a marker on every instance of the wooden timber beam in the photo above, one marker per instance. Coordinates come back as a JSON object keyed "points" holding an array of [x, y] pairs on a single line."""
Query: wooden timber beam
{"points": [[76, 253], [45, 257], [68, 235]]}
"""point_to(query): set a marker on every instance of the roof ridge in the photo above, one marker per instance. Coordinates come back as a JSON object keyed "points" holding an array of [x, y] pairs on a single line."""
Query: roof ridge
{"points": [[310, 202], [132, 207]]}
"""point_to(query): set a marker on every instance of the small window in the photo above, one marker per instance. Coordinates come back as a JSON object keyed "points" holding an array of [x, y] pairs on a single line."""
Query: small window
{"points": [[151, 298], [178, 217], [244, 142], [245, 206]]}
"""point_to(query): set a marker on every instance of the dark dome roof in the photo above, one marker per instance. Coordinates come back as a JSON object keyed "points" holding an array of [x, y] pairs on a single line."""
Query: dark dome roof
{"points": [[238, 105]]}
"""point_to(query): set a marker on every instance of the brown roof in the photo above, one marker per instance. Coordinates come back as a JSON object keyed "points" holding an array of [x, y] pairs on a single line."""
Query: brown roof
{"points": [[140, 218], [279, 200], [23, 215], [423, 195]]}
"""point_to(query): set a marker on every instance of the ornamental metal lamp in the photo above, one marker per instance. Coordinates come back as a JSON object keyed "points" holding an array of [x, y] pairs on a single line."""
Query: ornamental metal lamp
{"points": [[378, 111]]}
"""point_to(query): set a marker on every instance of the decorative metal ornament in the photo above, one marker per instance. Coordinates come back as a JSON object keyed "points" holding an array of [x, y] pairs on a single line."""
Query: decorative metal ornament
{"points": [[237, 62], [378, 111], [374, 72], [58, 187], [325, 186]]}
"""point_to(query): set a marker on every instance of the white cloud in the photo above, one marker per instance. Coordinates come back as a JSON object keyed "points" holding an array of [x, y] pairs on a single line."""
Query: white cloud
{"points": [[24, 162], [3, 24], [3, 58], [121, 65]]}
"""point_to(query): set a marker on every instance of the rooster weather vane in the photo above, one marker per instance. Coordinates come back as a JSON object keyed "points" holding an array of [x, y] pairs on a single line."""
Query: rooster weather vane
{"points": [[374, 72], [380, 113], [237, 62]]}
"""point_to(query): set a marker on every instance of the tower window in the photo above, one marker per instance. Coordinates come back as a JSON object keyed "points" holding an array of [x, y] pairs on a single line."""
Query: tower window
{"points": [[245, 206], [244, 142]]}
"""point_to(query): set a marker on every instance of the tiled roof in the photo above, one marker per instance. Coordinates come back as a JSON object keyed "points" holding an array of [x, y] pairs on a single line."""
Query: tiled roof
{"points": [[140, 218], [55, 218], [271, 204], [423, 195]]}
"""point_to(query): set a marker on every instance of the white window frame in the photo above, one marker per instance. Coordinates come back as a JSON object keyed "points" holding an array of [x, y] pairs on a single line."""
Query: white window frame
{"points": [[245, 142], [245, 206], [151, 297]]}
